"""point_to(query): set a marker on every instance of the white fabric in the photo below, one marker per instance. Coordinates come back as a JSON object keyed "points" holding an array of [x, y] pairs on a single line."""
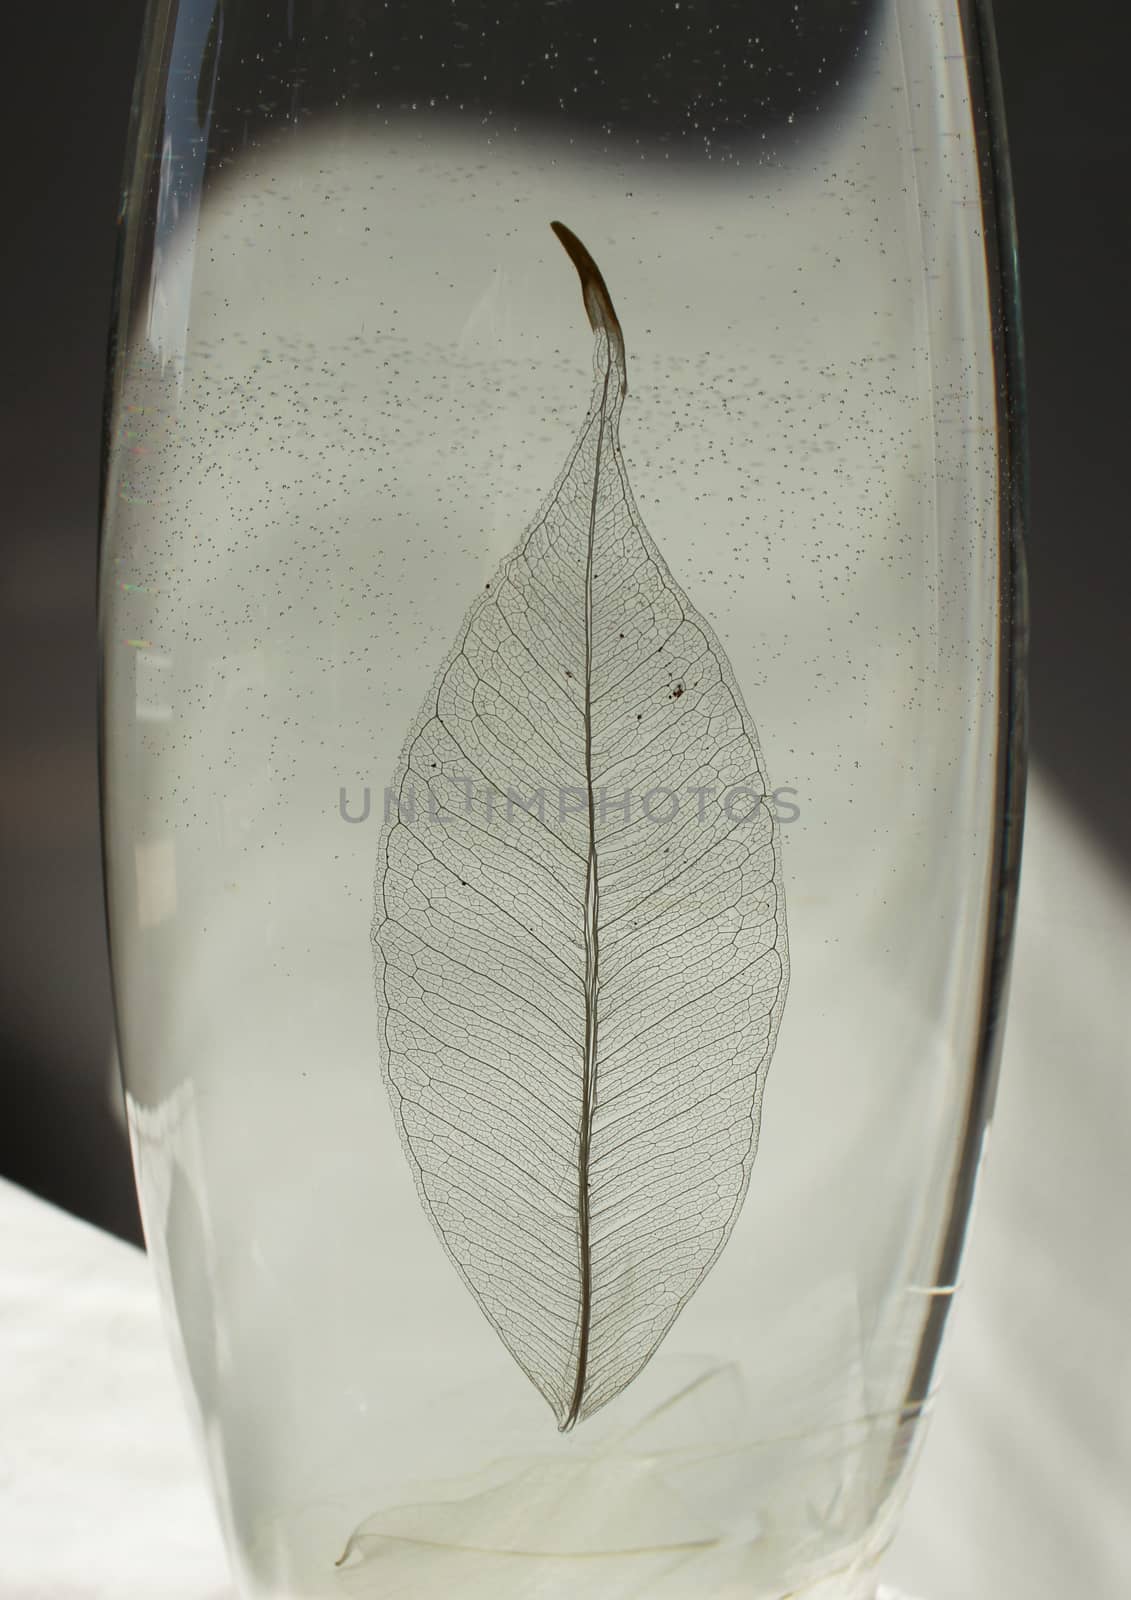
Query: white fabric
{"points": [[102, 1496], [1024, 1491]]}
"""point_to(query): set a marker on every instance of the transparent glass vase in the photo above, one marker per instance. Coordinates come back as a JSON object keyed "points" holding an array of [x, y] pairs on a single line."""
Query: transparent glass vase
{"points": [[562, 770]]}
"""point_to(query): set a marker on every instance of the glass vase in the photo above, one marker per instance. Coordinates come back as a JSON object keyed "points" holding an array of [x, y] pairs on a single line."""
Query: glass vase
{"points": [[561, 617]]}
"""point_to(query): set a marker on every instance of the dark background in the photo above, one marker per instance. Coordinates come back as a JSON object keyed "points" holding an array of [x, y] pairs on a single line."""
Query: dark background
{"points": [[68, 79]]}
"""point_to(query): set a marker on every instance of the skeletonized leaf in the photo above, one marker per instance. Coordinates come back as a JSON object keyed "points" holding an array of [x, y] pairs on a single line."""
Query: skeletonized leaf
{"points": [[579, 931]]}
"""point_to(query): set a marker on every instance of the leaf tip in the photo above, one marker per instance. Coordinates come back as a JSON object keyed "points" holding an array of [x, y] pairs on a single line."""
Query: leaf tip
{"points": [[595, 296]]}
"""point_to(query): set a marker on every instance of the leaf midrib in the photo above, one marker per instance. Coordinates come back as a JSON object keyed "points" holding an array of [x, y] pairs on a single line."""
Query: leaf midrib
{"points": [[592, 961]]}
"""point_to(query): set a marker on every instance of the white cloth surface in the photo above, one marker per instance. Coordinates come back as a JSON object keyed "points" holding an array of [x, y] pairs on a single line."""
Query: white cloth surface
{"points": [[1023, 1491], [102, 1494]]}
